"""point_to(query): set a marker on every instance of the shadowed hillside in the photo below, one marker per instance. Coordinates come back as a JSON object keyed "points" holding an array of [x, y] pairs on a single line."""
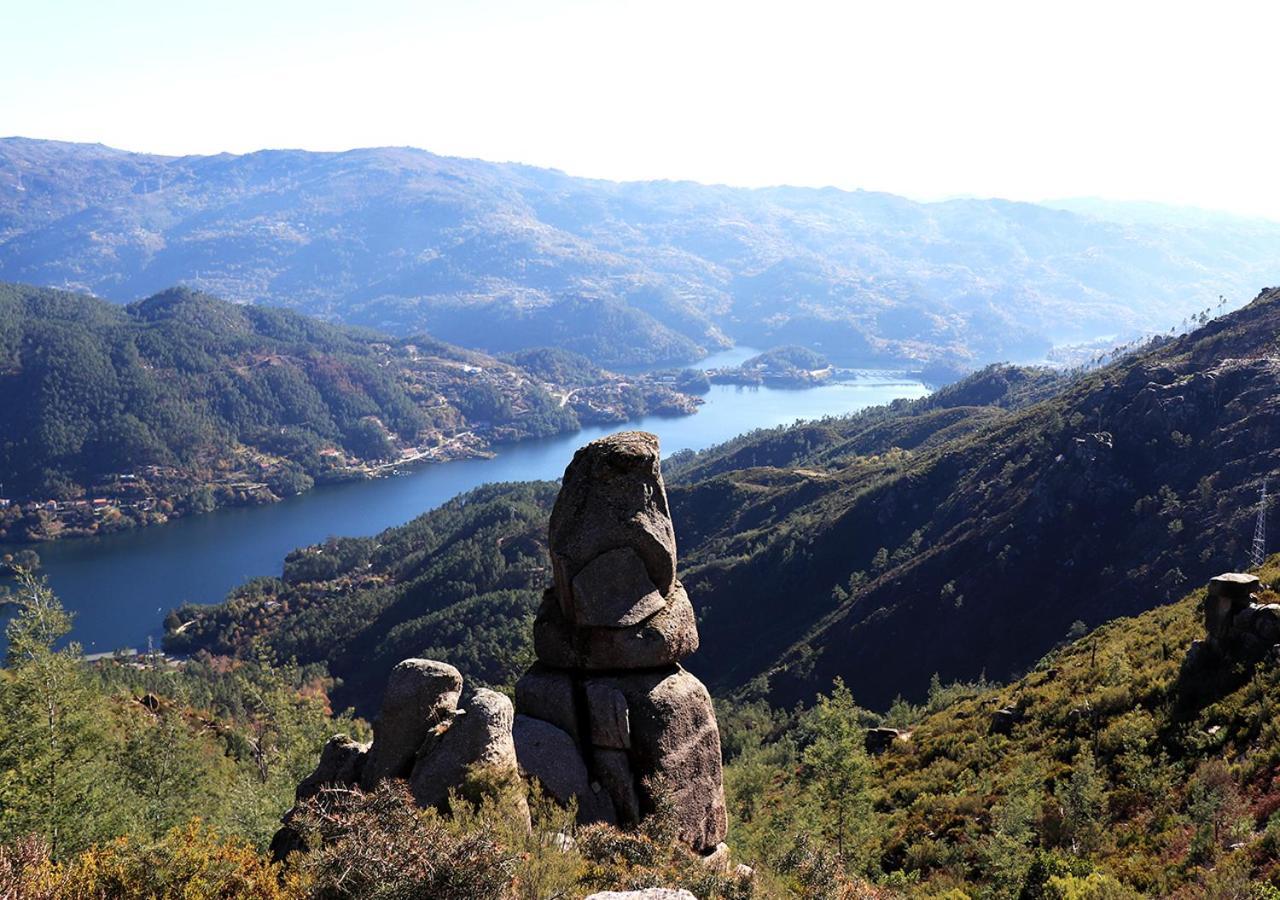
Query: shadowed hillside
{"points": [[926, 536]]}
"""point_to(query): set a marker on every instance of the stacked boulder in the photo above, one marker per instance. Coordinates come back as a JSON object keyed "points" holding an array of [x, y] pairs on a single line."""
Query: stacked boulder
{"points": [[1236, 625], [607, 715]]}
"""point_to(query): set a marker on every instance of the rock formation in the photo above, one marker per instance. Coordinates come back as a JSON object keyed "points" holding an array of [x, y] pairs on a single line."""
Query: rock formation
{"points": [[607, 714], [878, 740], [1236, 625], [422, 735], [1238, 629]]}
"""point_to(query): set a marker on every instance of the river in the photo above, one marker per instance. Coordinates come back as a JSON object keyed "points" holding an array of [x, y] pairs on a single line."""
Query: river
{"points": [[121, 585]]}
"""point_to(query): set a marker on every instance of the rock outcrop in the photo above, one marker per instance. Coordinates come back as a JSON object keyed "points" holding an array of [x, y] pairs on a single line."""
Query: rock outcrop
{"points": [[607, 716], [608, 696], [1238, 626], [421, 695], [423, 735], [878, 740], [1235, 624]]}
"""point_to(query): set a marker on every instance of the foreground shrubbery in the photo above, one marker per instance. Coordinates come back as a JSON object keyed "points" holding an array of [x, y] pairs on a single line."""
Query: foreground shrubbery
{"points": [[1120, 777], [194, 861]]}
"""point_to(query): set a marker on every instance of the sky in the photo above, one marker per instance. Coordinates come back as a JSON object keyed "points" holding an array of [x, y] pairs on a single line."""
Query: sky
{"points": [[1170, 102]]}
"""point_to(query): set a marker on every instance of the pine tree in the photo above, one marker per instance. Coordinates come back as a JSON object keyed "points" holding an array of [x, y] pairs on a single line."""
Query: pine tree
{"points": [[838, 767], [54, 766]]}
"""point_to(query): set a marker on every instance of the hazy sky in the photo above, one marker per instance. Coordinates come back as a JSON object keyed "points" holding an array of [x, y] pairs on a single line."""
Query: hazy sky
{"points": [[1166, 101]]}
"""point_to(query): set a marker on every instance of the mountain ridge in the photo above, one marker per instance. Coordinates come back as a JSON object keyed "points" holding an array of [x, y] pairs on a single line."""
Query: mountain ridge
{"points": [[914, 539], [504, 256], [117, 415]]}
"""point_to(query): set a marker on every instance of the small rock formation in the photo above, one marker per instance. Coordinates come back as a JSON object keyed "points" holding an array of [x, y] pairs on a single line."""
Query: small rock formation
{"points": [[1003, 720], [421, 695], [1236, 625], [607, 714], [422, 735], [878, 740]]}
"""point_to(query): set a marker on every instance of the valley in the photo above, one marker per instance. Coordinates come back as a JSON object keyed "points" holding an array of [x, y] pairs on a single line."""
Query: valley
{"points": [[121, 585], [917, 538], [184, 403]]}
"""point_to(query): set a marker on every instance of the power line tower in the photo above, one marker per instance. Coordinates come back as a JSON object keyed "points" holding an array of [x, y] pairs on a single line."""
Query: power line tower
{"points": [[1258, 555]]}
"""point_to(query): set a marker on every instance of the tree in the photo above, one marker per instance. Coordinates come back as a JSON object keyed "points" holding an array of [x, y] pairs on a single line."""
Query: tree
{"points": [[284, 727], [169, 774], [54, 768], [838, 769], [1215, 808], [1083, 804]]}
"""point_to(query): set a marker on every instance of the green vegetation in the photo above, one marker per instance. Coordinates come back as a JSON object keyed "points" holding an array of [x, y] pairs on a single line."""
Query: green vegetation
{"points": [[791, 357], [181, 402], [783, 367], [460, 584], [139, 747], [141, 777], [1118, 776]]}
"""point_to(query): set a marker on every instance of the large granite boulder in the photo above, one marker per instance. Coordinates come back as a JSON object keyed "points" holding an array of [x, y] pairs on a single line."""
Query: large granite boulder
{"points": [[609, 719], [478, 737], [607, 713], [548, 694], [341, 762], [421, 695], [612, 497], [614, 591], [663, 639], [550, 755], [675, 748]]}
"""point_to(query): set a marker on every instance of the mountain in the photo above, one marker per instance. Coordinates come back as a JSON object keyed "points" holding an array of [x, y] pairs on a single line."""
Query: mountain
{"points": [[1113, 769], [112, 416], [960, 534], [504, 257], [957, 539]]}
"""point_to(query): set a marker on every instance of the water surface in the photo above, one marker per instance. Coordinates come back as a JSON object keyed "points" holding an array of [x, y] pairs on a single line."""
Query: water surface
{"points": [[121, 585]]}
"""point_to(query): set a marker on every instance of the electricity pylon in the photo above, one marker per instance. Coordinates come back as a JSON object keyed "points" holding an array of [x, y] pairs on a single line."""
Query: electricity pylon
{"points": [[1258, 554]]}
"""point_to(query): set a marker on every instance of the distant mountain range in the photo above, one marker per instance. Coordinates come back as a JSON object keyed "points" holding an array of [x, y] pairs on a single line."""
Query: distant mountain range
{"points": [[503, 257]]}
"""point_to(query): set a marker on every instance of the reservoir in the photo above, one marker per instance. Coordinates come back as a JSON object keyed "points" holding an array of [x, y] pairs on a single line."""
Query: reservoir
{"points": [[120, 586]]}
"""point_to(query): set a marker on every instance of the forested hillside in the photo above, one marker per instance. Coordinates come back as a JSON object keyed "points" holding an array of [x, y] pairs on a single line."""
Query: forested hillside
{"points": [[1113, 769], [504, 257], [923, 537], [111, 416]]}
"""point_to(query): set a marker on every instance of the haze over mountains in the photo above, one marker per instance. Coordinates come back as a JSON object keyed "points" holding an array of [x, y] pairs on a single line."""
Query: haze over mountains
{"points": [[502, 257]]}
